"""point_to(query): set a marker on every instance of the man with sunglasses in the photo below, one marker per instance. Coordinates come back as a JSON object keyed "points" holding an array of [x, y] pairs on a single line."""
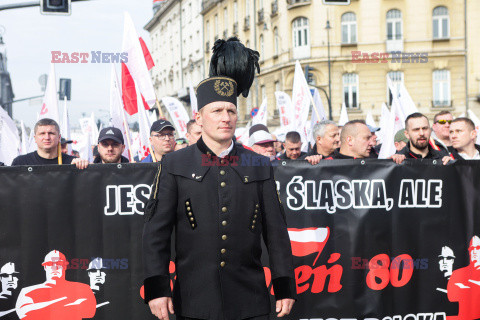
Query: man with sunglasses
{"points": [[441, 129], [162, 140], [110, 146]]}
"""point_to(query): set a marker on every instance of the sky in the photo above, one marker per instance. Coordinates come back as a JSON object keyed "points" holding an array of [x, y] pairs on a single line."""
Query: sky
{"points": [[95, 25]]}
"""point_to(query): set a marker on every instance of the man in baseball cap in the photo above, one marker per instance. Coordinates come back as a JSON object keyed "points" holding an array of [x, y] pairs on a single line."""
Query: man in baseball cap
{"points": [[261, 141], [110, 146], [162, 140], [400, 140]]}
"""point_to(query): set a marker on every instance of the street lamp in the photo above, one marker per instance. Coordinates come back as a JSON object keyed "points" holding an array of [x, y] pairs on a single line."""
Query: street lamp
{"points": [[329, 72]]}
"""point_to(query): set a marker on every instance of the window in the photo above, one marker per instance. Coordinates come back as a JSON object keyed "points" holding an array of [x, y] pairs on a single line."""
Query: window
{"points": [[276, 40], [394, 31], [440, 23], [207, 31], [247, 8], [225, 19], [301, 38], [263, 92], [394, 25], [262, 48], [397, 80], [216, 27], [235, 12], [349, 28], [441, 88], [277, 86], [260, 4], [350, 90]]}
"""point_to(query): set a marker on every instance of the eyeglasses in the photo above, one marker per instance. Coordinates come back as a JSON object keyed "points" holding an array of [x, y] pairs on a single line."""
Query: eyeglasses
{"points": [[444, 121], [163, 136]]}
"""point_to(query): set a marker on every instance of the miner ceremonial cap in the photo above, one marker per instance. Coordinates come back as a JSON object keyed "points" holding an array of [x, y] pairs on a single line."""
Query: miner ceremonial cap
{"points": [[216, 89]]}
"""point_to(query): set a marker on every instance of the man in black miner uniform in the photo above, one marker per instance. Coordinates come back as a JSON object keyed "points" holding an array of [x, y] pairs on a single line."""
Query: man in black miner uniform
{"points": [[219, 211], [47, 137]]}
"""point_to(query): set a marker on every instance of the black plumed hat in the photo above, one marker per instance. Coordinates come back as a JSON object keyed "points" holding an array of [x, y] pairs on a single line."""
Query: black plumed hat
{"points": [[232, 59]]}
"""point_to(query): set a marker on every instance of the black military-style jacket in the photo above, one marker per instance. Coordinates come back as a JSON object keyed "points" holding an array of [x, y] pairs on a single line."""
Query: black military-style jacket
{"points": [[220, 209]]}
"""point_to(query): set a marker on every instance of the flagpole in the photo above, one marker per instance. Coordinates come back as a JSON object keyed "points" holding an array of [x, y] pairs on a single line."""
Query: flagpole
{"points": [[159, 108], [59, 152], [127, 135]]}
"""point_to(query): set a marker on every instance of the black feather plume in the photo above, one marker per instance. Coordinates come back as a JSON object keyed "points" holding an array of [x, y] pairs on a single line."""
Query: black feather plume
{"points": [[232, 59]]}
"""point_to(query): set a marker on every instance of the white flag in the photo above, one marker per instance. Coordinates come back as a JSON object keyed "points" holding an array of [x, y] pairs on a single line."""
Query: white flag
{"points": [[395, 96], [86, 151], [318, 114], [94, 127], [243, 135], [9, 138], [395, 123], [408, 106], [117, 112], [193, 100], [65, 127], [301, 101], [343, 115], [144, 129], [261, 116], [178, 114], [24, 149], [285, 110], [136, 61], [50, 103], [384, 116], [476, 121], [369, 120]]}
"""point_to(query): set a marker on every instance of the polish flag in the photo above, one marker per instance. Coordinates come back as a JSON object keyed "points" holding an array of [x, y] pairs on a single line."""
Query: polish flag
{"points": [[136, 67], [307, 241]]}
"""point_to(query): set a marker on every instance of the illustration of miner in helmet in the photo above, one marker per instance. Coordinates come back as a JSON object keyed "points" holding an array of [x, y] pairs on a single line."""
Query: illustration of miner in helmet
{"points": [[9, 280], [96, 275], [446, 259]]}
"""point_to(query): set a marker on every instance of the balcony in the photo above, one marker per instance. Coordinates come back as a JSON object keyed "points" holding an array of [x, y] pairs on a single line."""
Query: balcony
{"points": [[235, 29], [394, 45], [207, 5], [297, 3], [246, 24], [261, 16], [442, 104], [274, 8]]}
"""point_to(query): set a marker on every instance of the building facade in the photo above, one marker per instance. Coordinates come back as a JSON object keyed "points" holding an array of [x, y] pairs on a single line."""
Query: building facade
{"points": [[365, 39], [177, 47]]}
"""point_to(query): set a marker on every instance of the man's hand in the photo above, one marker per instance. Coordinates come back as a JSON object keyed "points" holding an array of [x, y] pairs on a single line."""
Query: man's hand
{"points": [[161, 306], [398, 158], [284, 307], [80, 163], [315, 159], [446, 159]]}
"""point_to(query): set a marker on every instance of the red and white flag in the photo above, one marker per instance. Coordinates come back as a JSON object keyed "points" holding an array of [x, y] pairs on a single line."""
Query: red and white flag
{"points": [[136, 69], [193, 100], [50, 103], [285, 110], [307, 241], [178, 114], [261, 116]]}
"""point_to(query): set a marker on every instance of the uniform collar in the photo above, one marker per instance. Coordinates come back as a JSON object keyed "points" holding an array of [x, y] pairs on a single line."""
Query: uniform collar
{"points": [[206, 150]]}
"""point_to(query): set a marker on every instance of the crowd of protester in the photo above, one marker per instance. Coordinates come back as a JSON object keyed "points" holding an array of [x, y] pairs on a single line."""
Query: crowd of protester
{"points": [[446, 140]]}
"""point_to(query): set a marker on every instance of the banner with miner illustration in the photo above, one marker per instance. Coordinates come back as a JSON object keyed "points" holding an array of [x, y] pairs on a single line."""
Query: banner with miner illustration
{"points": [[370, 239]]}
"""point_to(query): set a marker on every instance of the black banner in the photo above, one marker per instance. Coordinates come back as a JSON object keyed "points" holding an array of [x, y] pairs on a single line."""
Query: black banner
{"points": [[371, 240]]}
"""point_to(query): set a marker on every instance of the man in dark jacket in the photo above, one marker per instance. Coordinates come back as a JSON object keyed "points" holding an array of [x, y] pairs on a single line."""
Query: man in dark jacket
{"points": [[110, 146], [418, 131], [220, 204], [463, 136], [293, 147], [327, 138], [356, 141]]}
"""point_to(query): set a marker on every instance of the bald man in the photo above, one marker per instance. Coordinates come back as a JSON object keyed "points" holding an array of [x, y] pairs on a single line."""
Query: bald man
{"points": [[355, 141]]}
